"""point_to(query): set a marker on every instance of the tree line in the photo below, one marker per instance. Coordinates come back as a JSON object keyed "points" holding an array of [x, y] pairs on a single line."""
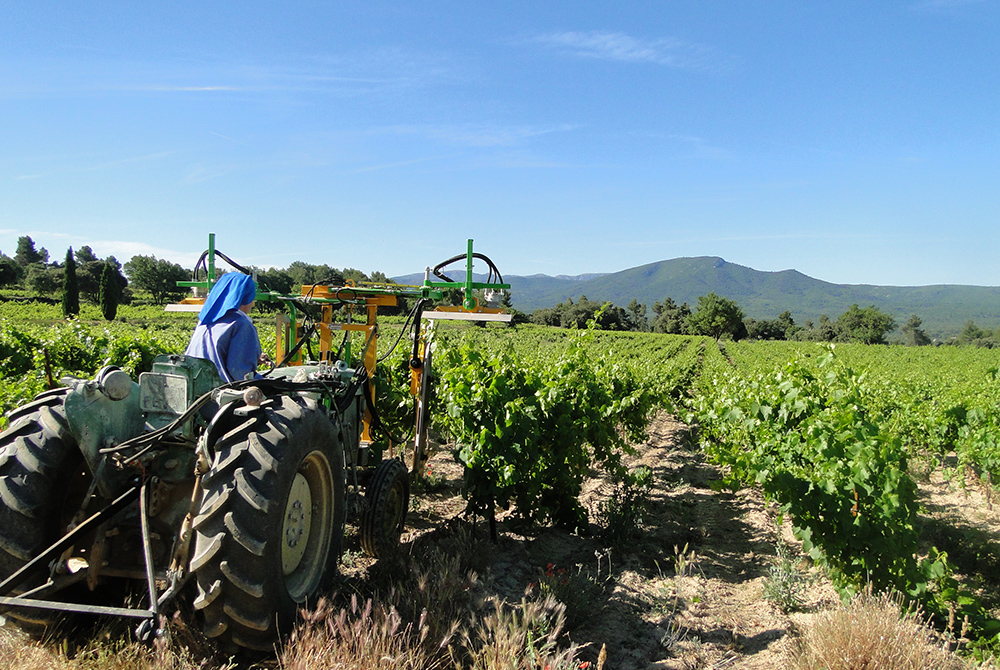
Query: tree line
{"points": [[108, 283], [720, 317]]}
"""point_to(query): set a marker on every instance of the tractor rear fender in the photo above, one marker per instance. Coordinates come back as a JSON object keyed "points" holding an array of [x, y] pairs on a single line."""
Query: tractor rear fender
{"points": [[98, 420]]}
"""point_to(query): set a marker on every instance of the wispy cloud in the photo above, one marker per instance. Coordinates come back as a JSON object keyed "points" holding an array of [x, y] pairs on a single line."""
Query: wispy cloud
{"points": [[944, 5], [360, 73], [105, 165], [479, 135], [701, 148], [124, 250], [399, 164], [665, 51]]}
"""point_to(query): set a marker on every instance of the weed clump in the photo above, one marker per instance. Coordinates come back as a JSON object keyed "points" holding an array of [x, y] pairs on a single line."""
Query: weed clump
{"points": [[784, 582], [873, 632], [621, 514]]}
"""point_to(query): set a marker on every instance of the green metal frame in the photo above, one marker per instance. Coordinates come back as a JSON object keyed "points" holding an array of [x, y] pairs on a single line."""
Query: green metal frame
{"points": [[433, 290]]}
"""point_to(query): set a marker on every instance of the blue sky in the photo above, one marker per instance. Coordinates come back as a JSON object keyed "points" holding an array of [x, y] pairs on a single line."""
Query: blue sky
{"points": [[857, 142]]}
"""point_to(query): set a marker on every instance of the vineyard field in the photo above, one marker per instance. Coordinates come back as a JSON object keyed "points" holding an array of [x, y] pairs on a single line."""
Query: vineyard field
{"points": [[839, 441]]}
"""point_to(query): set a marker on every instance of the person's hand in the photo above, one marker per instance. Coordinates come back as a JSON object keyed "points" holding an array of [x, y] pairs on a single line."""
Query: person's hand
{"points": [[265, 360]]}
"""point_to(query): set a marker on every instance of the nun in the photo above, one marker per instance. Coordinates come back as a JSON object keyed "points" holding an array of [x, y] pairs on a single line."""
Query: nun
{"points": [[225, 334]]}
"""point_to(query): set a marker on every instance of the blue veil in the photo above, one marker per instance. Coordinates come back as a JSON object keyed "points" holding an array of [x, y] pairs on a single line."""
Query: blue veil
{"points": [[232, 291]]}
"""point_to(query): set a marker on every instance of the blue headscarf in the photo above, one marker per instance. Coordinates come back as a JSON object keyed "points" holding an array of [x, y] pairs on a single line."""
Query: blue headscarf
{"points": [[232, 291]]}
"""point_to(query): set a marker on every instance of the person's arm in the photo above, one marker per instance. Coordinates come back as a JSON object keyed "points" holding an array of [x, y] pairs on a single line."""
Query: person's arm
{"points": [[242, 349]]}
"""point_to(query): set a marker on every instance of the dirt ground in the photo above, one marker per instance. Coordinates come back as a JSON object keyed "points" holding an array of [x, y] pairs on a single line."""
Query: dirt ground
{"points": [[687, 591]]}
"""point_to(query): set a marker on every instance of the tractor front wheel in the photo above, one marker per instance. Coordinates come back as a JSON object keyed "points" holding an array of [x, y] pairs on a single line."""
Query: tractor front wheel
{"points": [[270, 529], [388, 497]]}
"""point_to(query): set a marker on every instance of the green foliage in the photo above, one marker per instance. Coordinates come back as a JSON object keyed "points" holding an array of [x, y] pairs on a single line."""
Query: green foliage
{"points": [[16, 349], [826, 443], [528, 435], [621, 514], [866, 326], [44, 280], [110, 292], [671, 317], [27, 254], [78, 348], [782, 328], [717, 316], [606, 316], [10, 271], [784, 582], [157, 276], [71, 290], [912, 333]]}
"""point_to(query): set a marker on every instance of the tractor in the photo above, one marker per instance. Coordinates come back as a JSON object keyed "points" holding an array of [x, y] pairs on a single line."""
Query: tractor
{"points": [[231, 496]]}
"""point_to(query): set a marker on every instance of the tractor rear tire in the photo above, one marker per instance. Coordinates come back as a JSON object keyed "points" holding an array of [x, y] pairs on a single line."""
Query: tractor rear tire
{"points": [[271, 524], [38, 459], [388, 497]]}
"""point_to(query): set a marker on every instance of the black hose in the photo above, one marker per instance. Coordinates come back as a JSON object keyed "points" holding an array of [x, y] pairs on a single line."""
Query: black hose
{"points": [[493, 268]]}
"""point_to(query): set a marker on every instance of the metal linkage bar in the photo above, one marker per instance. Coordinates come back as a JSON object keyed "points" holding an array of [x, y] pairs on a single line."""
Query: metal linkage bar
{"points": [[76, 607], [69, 539]]}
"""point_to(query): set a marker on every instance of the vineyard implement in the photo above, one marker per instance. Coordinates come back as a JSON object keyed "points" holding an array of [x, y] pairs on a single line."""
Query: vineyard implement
{"points": [[233, 495]]}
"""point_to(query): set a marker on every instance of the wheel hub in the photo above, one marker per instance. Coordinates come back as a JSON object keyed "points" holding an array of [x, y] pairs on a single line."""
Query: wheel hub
{"points": [[298, 519]]}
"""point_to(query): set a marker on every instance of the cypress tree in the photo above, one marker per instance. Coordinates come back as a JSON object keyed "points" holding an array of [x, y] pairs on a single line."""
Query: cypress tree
{"points": [[109, 294], [71, 290]]}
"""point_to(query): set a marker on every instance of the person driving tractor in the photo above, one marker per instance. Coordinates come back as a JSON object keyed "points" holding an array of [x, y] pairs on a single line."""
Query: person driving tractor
{"points": [[225, 334]]}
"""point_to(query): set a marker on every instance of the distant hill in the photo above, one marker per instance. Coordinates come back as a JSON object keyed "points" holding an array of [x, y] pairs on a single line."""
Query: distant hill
{"points": [[943, 308]]}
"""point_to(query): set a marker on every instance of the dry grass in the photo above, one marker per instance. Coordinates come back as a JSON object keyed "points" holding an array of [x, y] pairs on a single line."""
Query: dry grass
{"points": [[522, 638], [364, 635], [872, 633], [425, 614], [17, 652]]}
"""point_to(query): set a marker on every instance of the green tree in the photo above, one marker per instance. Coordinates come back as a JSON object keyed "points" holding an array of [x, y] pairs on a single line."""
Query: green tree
{"points": [[10, 271], [867, 326], [782, 328], [637, 316], [610, 316], [765, 329], [110, 291], [974, 335], [912, 333], [88, 276], [43, 280], [670, 317], [85, 255], [157, 276], [275, 280], [828, 330], [71, 291], [27, 255], [547, 316], [354, 275], [717, 316], [788, 324], [304, 274]]}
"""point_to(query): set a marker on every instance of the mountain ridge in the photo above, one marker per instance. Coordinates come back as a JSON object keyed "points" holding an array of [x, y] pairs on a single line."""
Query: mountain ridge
{"points": [[943, 308]]}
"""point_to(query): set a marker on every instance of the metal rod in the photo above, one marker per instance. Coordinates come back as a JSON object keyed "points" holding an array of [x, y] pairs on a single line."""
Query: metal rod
{"points": [[75, 607], [53, 585], [67, 540], [147, 552]]}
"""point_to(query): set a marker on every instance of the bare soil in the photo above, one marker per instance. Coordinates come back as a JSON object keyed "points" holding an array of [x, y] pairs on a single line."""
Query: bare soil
{"points": [[686, 591]]}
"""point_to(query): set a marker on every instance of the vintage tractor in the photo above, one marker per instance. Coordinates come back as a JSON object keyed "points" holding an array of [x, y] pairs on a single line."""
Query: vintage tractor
{"points": [[233, 494]]}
